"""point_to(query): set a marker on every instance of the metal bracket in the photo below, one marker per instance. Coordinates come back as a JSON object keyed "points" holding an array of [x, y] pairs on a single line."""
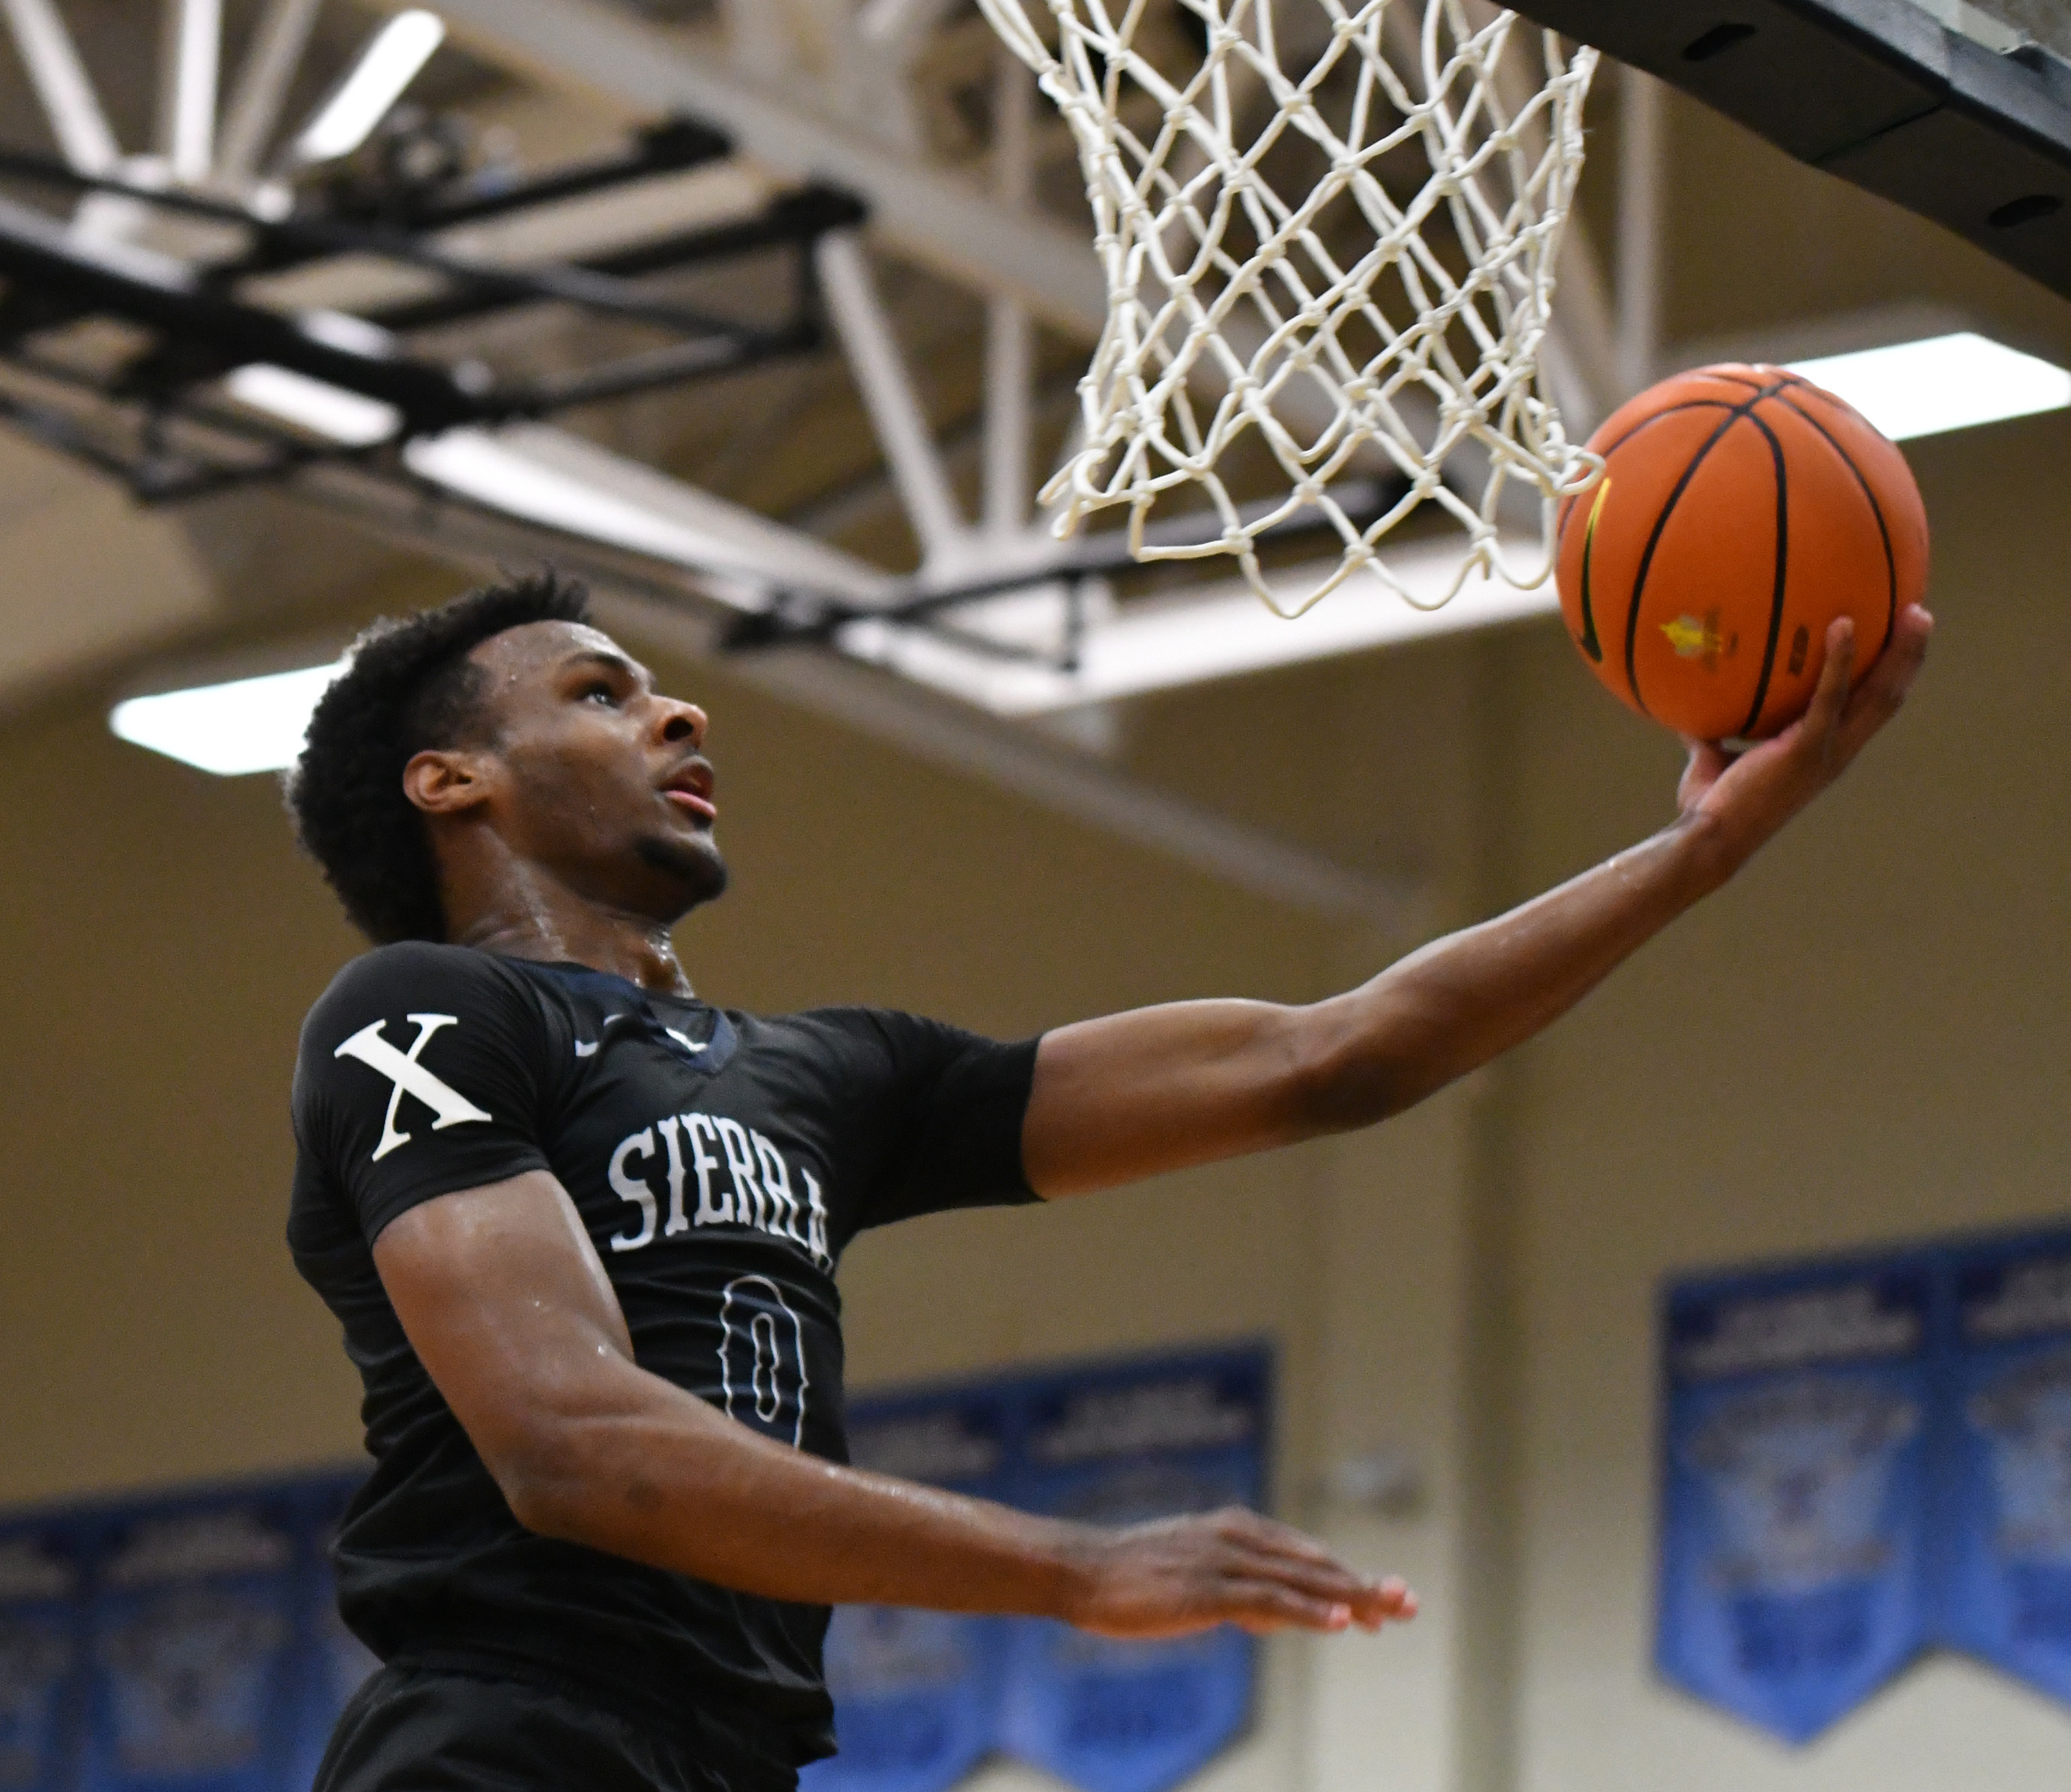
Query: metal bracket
{"points": [[1878, 93]]}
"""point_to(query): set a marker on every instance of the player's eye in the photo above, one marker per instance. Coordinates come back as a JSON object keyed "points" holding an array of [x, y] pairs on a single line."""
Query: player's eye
{"points": [[600, 692]]}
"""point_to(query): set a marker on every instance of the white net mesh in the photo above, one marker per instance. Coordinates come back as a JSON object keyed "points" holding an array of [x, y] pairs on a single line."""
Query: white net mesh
{"points": [[1329, 230]]}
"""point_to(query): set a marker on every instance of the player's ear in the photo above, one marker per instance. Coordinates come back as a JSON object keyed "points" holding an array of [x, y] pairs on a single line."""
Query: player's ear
{"points": [[447, 781]]}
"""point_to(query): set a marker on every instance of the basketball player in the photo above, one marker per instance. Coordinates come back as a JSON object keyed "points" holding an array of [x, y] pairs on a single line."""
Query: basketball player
{"points": [[580, 1227]]}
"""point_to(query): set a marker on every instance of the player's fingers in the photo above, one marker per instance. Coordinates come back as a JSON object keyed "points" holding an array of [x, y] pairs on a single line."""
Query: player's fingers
{"points": [[1389, 1601], [1372, 1602], [1268, 1546], [1265, 1549], [1265, 1605], [1280, 1552], [1814, 741], [1240, 1525], [1706, 765], [1830, 697], [1261, 1606], [1326, 1580], [1882, 693]]}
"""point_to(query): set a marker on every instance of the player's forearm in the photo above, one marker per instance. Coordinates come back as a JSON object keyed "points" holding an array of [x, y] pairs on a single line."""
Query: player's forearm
{"points": [[1461, 1001], [656, 1476], [668, 1481], [1136, 1094]]}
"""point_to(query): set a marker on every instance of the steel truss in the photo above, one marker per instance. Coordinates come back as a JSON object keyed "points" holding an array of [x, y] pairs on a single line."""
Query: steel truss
{"points": [[198, 330]]}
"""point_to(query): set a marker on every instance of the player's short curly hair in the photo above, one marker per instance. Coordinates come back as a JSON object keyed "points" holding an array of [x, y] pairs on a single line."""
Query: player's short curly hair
{"points": [[409, 685]]}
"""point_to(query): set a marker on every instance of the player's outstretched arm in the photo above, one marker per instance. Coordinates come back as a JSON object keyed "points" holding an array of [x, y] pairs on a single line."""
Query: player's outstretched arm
{"points": [[1161, 1088], [504, 1301]]}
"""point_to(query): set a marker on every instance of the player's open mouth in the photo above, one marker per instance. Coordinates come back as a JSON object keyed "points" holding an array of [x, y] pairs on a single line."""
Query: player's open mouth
{"points": [[691, 789]]}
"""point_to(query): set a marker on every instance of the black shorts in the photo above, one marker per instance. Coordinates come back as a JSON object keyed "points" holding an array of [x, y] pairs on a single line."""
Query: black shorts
{"points": [[424, 1729]]}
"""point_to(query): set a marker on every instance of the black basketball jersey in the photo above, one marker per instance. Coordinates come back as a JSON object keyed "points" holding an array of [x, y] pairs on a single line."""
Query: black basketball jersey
{"points": [[721, 1161]]}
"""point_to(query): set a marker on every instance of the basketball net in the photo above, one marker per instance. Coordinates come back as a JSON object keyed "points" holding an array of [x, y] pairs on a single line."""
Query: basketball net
{"points": [[1328, 229]]}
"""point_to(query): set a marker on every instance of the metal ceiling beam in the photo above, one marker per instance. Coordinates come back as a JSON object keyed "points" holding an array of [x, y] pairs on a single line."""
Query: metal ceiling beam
{"points": [[887, 387], [935, 217], [299, 236], [164, 295], [188, 71], [262, 82], [792, 220], [1010, 336], [61, 80], [605, 234], [671, 147], [1642, 194]]}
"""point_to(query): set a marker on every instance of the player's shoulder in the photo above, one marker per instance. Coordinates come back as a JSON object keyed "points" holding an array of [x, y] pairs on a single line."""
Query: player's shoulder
{"points": [[889, 1040], [841, 1039], [847, 1025], [421, 963], [420, 977]]}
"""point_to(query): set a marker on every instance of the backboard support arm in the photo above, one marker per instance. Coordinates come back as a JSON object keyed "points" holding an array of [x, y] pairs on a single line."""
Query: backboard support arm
{"points": [[1877, 92]]}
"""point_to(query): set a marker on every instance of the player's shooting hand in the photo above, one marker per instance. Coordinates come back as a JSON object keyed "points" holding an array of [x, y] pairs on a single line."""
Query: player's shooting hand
{"points": [[1176, 1576], [1752, 795]]}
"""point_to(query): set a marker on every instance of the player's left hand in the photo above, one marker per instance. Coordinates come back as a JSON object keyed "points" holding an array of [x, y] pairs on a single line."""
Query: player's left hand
{"points": [[1751, 794], [1176, 1576]]}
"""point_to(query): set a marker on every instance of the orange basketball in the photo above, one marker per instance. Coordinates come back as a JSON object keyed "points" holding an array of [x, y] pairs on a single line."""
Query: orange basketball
{"points": [[1742, 509]]}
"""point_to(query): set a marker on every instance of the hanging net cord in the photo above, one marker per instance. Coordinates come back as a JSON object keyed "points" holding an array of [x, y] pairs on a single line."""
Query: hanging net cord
{"points": [[1234, 312]]}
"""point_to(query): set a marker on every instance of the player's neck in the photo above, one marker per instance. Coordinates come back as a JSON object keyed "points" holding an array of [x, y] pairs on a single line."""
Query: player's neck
{"points": [[535, 917]]}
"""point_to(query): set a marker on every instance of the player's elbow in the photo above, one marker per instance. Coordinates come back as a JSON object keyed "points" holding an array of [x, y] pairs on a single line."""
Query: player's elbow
{"points": [[542, 1481], [1346, 1071], [552, 1470], [547, 1505]]}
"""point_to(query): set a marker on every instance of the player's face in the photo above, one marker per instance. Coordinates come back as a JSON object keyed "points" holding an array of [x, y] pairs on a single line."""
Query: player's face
{"points": [[604, 782]]}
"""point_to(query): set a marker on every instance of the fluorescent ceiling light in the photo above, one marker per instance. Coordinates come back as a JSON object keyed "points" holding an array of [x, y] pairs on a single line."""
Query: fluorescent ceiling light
{"points": [[388, 64], [1943, 383], [345, 418], [500, 474], [555, 480], [246, 725], [1214, 632]]}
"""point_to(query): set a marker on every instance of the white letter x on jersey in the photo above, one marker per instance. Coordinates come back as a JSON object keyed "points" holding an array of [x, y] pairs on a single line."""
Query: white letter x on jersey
{"points": [[406, 1073]]}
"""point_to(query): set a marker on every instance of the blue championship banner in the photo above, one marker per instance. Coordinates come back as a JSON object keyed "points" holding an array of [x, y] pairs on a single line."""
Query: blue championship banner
{"points": [[917, 1693], [921, 1698], [1795, 1510], [193, 1615], [42, 1654], [1117, 1447], [183, 1643], [2007, 1459]]}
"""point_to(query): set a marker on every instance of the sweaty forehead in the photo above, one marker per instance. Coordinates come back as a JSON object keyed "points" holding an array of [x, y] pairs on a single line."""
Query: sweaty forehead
{"points": [[533, 650]]}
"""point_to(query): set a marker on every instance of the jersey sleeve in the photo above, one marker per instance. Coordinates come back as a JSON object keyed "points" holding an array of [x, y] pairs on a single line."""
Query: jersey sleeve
{"points": [[423, 1071], [952, 1103]]}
